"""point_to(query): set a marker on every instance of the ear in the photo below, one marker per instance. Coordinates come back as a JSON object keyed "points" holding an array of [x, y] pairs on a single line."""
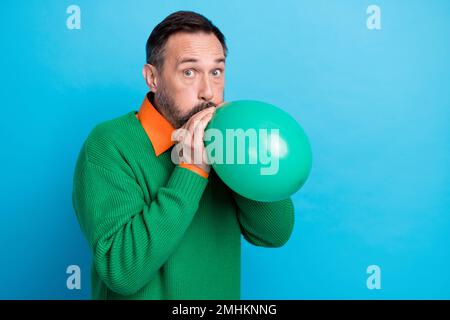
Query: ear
{"points": [[151, 76]]}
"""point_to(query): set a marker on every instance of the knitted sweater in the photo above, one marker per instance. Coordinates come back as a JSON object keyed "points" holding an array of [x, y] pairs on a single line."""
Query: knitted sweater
{"points": [[161, 231]]}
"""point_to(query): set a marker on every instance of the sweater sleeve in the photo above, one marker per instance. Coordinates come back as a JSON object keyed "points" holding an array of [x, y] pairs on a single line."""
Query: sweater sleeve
{"points": [[265, 224], [131, 239]]}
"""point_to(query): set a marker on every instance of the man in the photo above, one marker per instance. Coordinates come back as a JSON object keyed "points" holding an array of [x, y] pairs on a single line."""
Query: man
{"points": [[160, 230]]}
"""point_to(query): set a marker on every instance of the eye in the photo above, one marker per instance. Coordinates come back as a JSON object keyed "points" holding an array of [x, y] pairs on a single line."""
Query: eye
{"points": [[188, 73], [217, 73]]}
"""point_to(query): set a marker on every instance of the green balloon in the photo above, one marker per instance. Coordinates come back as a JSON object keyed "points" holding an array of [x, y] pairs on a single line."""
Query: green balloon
{"points": [[258, 150]]}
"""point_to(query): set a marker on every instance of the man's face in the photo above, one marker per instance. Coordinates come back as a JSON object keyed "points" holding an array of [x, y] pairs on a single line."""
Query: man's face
{"points": [[192, 77]]}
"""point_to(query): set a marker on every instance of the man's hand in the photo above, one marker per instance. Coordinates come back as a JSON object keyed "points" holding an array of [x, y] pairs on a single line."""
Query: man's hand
{"points": [[189, 139]]}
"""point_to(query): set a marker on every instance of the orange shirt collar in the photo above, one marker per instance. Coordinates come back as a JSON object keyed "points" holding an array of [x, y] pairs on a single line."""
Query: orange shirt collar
{"points": [[158, 129]]}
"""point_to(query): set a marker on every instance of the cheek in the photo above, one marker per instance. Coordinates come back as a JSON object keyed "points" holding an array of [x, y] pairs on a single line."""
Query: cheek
{"points": [[218, 93], [185, 98], [180, 91]]}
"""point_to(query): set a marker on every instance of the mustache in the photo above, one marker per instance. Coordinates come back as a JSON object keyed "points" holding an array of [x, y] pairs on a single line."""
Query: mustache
{"points": [[199, 107]]}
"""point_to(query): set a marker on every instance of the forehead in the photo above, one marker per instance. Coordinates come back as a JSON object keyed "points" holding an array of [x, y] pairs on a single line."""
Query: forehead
{"points": [[204, 47]]}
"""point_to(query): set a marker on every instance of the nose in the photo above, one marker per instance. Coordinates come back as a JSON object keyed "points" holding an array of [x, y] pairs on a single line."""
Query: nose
{"points": [[205, 92]]}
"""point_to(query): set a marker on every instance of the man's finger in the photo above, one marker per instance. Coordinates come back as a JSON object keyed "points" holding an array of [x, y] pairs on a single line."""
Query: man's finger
{"points": [[202, 122], [199, 114], [204, 112], [200, 130]]}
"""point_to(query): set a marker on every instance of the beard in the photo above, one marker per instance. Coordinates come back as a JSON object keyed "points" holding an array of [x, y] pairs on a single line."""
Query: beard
{"points": [[171, 111]]}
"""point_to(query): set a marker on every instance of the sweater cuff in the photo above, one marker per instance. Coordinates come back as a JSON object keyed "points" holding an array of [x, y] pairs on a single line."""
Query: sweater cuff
{"points": [[187, 182], [195, 169]]}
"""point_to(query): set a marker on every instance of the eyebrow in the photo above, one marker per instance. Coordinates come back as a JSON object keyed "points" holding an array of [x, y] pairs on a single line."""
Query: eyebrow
{"points": [[194, 60]]}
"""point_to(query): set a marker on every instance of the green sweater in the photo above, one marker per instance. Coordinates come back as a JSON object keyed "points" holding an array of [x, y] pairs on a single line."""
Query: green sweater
{"points": [[160, 231]]}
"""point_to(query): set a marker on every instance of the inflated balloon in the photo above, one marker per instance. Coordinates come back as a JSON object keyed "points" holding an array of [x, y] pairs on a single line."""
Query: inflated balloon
{"points": [[258, 150]]}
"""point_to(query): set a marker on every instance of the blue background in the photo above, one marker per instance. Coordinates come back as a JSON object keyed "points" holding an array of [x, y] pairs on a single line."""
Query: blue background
{"points": [[374, 103]]}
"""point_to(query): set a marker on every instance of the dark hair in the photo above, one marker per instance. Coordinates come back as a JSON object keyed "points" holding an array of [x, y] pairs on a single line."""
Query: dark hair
{"points": [[180, 21]]}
